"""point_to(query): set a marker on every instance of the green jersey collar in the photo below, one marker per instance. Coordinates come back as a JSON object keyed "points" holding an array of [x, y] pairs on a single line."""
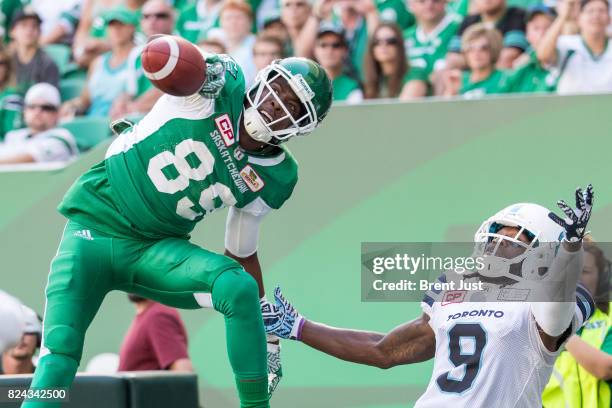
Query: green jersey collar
{"points": [[423, 37]]}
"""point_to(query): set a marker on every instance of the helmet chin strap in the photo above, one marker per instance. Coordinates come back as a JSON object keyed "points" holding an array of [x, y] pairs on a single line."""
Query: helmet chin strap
{"points": [[255, 125]]}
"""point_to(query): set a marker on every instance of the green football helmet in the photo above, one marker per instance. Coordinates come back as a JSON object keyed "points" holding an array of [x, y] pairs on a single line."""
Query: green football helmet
{"points": [[309, 82]]}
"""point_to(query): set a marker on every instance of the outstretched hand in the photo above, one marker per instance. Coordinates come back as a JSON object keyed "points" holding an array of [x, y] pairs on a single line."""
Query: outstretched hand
{"points": [[576, 220]]}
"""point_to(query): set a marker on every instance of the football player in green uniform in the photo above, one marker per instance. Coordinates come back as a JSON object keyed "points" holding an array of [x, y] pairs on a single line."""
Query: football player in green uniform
{"points": [[129, 216]]}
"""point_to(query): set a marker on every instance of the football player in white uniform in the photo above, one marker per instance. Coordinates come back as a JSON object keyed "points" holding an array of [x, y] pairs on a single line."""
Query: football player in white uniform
{"points": [[486, 353]]}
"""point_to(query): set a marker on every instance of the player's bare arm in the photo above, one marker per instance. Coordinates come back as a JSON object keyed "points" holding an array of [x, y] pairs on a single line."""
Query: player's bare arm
{"points": [[554, 319], [411, 342]]}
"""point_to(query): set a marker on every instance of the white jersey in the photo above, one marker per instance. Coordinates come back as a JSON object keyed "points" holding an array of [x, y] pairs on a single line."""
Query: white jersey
{"points": [[488, 354], [581, 71]]}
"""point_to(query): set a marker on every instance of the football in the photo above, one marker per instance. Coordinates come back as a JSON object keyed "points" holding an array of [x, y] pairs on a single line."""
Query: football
{"points": [[174, 65]]}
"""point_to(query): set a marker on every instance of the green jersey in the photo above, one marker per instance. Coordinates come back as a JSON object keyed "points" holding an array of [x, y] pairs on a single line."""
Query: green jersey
{"points": [[493, 84], [395, 11], [346, 88], [195, 20], [7, 9], [530, 78], [427, 52], [137, 82], [11, 107], [181, 162]]}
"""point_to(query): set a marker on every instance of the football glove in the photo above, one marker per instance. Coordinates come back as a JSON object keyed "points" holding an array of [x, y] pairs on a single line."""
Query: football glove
{"points": [[215, 77], [121, 125], [281, 319], [576, 220]]}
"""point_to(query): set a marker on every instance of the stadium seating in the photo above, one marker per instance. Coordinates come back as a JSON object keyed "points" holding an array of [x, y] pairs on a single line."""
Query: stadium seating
{"points": [[71, 88], [88, 131], [60, 54]]}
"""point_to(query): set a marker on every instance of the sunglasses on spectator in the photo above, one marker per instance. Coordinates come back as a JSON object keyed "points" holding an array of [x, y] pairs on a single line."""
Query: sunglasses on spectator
{"points": [[160, 16], [4, 62], [386, 41], [43, 107], [297, 4], [335, 45], [482, 47]]}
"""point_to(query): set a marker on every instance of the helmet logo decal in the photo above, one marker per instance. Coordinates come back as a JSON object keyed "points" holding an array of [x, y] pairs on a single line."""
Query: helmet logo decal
{"points": [[301, 88]]}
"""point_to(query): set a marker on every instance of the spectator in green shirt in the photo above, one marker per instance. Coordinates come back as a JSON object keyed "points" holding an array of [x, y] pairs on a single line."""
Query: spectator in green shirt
{"points": [[11, 103], [385, 65], [197, 18], [481, 47], [529, 75], [158, 17], [427, 44], [331, 51]]}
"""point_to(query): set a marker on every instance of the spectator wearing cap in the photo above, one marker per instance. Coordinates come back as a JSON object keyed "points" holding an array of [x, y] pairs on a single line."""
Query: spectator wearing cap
{"points": [[529, 75], [584, 60], [198, 18], [11, 102], [90, 39], [331, 51], [427, 44], [236, 19], [494, 14], [41, 140], [266, 49], [481, 47], [108, 74], [359, 18], [156, 339], [157, 17], [31, 63], [386, 68], [18, 360]]}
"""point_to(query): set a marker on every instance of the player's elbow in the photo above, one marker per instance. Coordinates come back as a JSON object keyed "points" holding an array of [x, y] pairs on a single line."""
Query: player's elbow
{"points": [[381, 358]]}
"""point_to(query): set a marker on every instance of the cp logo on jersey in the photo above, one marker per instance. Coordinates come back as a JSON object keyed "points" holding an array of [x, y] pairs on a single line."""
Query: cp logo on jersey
{"points": [[453, 296], [251, 178], [225, 128]]}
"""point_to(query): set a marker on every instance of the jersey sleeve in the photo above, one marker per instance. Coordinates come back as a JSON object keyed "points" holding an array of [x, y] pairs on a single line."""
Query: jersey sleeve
{"points": [[432, 296], [242, 228]]}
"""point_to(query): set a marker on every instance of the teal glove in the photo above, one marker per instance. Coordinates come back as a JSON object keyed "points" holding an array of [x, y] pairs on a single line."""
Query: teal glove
{"points": [[215, 77]]}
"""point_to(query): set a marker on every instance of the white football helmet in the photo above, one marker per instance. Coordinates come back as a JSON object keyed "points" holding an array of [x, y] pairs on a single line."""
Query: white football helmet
{"points": [[531, 260]]}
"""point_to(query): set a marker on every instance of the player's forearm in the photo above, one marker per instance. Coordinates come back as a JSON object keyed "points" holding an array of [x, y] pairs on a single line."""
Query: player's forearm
{"points": [[595, 361], [252, 266], [350, 345]]}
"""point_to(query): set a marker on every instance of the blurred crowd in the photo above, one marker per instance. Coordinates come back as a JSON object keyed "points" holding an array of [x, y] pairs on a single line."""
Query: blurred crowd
{"points": [[81, 58]]}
